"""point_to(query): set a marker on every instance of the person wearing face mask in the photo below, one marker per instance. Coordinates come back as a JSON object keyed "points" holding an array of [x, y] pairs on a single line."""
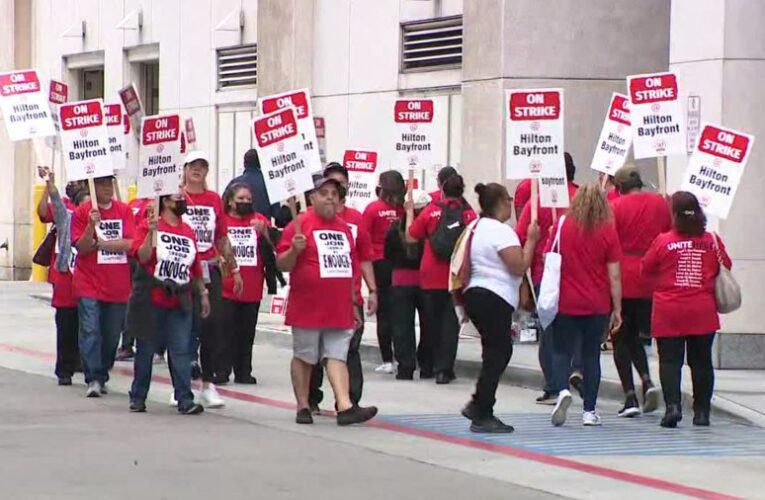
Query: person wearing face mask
{"points": [[169, 266], [247, 231], [102, 233], [204, 216], [497, 265], [59, 212]]}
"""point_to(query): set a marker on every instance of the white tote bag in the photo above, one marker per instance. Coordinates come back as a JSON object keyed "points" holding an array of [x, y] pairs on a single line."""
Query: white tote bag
{"points": [[727, 289], [549, 289]]}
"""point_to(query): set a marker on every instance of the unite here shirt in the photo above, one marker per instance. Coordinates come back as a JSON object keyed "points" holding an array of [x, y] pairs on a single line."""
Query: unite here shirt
{"points": [[203, 215], [434, 271], [175, 258], [355, 221], [639, 218], [321, 284], [684, 269], [585, 288], [377, 218], [101, 274], [244, 243]]}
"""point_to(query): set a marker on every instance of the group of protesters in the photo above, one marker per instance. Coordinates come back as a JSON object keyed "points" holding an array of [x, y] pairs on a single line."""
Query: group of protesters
{"points": [[183, 276]]}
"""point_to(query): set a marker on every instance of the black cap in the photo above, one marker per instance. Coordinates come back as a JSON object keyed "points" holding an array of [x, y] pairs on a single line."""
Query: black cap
{"points": [[319, 181]]}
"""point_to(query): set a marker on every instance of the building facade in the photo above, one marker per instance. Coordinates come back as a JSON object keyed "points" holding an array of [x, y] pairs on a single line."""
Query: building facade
{"points": [[211, 59]]}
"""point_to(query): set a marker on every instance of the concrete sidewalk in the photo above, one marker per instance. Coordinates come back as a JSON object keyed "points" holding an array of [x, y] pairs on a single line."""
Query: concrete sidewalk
{"points": [[738, 393]]}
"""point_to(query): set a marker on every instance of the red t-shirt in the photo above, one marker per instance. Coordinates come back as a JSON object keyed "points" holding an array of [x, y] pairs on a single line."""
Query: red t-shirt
{"points": [[684, 269], [100, 274], [377, 218], [203, 215], [321, 284], [612, 195], [138, 207], [355, 221], [639, 218], [522, 196], [435, 196], [545, 222], [434, 271], [244, 242], [175, 258], [585, 288]]}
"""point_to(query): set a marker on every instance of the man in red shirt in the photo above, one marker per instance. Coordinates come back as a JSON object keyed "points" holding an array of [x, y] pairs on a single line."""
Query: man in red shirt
{"points": [[102, 232], [319, 252], [353, 218]]}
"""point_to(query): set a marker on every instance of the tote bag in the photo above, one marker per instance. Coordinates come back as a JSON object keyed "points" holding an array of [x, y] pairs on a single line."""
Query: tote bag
{"points": [[549, 289], [727, 289]]}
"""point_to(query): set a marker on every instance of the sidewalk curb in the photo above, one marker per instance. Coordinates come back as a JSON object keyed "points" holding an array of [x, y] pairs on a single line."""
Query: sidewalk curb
{"points": [[531, 378]]}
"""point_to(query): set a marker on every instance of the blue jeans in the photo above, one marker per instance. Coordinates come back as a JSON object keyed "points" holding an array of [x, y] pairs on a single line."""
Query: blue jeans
{"points": [[567, 332], [99, 334], [545, 356], [172, 330]]}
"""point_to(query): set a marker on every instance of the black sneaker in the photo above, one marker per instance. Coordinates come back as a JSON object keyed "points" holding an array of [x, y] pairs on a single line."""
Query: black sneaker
{"points": [[65, 381], [220, 379], [701, 418], [491, 425], [426, 374], [444, 378], [315, 410], [672, 416], [137, 406], [304, 416], [190, 409], [404, 374], [356, 415], [470, 411], [196, 370], [575, 381], [630, 408], [249, 380], [547, 398]]}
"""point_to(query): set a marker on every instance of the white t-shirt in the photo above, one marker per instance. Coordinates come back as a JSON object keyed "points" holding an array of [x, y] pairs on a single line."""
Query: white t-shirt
{"points": [[487, 270]]}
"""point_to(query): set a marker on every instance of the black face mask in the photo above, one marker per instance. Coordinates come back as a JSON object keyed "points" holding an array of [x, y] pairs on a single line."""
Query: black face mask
{"points": [[244, 207], [180, 208]]}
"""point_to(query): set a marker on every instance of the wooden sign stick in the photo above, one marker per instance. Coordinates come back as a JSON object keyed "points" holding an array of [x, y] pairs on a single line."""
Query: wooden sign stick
{"points": [[662, 175]]}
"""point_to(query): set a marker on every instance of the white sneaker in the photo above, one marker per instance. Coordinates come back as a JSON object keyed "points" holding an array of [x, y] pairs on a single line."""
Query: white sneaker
{"points": [[172, 401], [561, 407], [591, 419], [209, 398], [385, 368], [94, 390]]}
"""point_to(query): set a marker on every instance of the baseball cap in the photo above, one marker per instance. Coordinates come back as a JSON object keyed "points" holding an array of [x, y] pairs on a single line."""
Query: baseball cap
{"points": [[196, 155], [319, 181]]}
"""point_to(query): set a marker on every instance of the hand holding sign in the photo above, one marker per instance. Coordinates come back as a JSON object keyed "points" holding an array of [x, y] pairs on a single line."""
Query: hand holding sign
{"points": [[94, 217]]}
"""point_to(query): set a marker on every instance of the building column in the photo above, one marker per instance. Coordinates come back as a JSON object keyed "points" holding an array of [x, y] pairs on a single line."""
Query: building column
{"points": [[285, 58], [586, 48], [718, 51]]}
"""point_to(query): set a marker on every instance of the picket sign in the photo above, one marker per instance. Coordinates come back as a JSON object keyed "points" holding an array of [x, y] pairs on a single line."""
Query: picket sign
{"points": [[615, 137], [716, 166], [413, 145], [58, 94], [160, 170], [362, 176], [657, 119]]}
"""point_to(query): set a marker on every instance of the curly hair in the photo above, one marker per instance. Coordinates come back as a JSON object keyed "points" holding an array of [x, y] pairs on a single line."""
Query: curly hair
{"points": [[590, 208]]}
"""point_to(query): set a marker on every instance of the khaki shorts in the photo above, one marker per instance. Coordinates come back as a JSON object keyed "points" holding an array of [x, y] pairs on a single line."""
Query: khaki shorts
{"points": [[314, 344]]}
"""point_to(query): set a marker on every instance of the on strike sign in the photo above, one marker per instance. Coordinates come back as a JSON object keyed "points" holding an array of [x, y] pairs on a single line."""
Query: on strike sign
{"points": [[58, 92], [116, 122], [191, 133], [160, 170], [362, 178], [615, 137], [25, 106], [301, 101], [280, 149], [715, 168], [657, 115], [414, 146], [534, 134], [133, 107], [85, 140], [321, 137]]}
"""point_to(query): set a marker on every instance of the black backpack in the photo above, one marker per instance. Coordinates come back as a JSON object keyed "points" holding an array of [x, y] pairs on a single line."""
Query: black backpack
{"points": [[448, 231]]}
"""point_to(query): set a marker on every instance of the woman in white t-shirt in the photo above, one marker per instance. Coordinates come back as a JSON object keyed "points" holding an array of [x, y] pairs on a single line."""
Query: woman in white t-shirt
{"points": [[497, 263]]}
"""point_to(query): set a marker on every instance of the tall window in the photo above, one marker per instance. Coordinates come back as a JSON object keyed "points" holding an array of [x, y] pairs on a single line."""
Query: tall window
{"points": [[150, 97], [92, 83]]}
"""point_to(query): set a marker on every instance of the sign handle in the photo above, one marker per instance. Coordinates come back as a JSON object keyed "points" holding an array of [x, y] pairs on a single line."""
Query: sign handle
{"points": [[662, 175], [116, 189], [156, 211], [534, 199], [92, 191], [555, 216], [410, 185], [603, 181], [293, 210]]}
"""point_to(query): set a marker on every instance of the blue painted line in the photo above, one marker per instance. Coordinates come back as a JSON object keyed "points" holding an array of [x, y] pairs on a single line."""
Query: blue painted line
{"points": [[639, 436]]}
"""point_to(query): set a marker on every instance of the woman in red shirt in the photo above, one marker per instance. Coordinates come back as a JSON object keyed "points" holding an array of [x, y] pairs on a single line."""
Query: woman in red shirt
{"points": [[439, 328], [377, 219], [590, 291], [204, 216], [639, 217], [683, 263], [161, 304], [247, 230]]}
